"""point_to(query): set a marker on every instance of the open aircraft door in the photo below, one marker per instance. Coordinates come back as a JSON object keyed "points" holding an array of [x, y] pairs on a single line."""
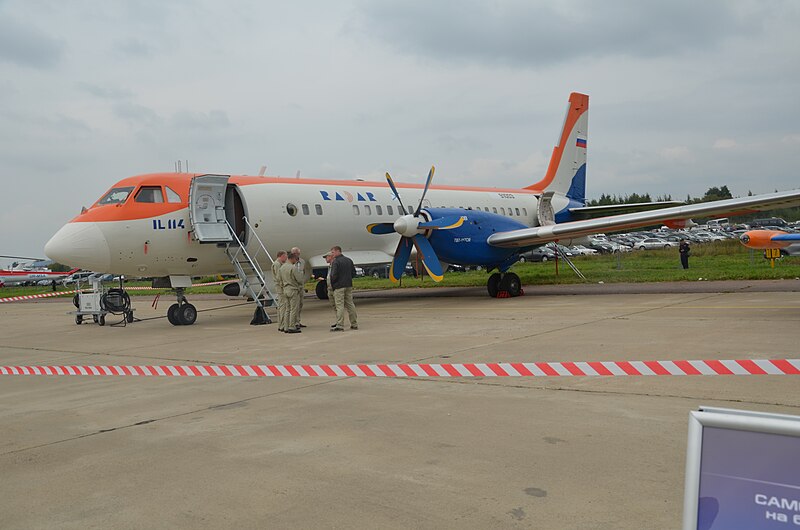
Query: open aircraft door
{"points": [[207, 209]]}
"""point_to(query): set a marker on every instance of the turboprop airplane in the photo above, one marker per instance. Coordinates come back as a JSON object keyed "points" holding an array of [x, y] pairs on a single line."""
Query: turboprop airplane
{"points": [[14, 277], [172, 226], [778, 239]]}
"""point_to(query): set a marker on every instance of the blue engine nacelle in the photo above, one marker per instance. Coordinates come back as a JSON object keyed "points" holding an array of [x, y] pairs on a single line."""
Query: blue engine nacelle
{"points": [[466, 245]]}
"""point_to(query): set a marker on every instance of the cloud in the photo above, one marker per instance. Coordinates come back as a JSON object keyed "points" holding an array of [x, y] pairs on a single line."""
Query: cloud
{"points": [[26, 46], [725, 143], [105, 92], [538, 32]]}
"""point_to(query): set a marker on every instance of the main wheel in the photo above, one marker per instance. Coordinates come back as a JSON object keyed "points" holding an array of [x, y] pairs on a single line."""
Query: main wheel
{"points": [[187, 314], [172, 315], [511, 283], [101, 320], [129, 316], [78, 319], [322, 290], [493, 284]]}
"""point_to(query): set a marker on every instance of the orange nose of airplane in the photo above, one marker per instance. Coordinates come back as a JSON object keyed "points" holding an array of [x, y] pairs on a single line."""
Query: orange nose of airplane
{"points": [[80, 245], [762, 239]]}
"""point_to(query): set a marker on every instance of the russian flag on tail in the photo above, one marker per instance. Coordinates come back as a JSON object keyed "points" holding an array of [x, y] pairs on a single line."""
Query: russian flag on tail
{"points": [[581, 142]]}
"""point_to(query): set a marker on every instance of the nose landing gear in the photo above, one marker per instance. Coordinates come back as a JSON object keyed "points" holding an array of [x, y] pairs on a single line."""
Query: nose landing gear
{"points": [[182, 313]]}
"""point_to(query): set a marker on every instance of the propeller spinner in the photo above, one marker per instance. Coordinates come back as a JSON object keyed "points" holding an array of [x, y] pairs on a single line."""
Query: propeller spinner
{"points": [[412, 229]]}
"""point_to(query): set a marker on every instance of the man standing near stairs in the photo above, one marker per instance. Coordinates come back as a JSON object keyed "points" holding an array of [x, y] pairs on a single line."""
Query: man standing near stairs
{"points": [[292, 280], [280, 300], [305, 268]]}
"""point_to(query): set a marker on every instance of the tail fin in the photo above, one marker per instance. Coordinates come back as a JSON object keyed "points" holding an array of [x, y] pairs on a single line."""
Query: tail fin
{"points": [[73, 271], [566, 174]]}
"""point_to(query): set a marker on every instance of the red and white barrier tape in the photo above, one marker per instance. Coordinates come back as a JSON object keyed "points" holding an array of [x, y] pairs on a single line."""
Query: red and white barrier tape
{"points": [[60, 293], [35, 296], [542, 369]]}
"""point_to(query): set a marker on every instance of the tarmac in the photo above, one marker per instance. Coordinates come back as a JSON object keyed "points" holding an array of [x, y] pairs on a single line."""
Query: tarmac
{"points": [[212, 452]]}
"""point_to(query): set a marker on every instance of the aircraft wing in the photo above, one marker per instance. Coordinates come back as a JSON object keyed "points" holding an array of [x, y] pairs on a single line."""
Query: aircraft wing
{"points": [[614, 223]]}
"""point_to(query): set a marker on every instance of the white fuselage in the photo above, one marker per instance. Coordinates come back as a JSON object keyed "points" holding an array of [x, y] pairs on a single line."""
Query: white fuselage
{"points": [[324, 215]]}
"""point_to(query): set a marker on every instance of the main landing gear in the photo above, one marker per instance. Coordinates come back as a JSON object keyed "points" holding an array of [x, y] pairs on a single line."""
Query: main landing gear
{"points": [[504, 285], [183, 313]]}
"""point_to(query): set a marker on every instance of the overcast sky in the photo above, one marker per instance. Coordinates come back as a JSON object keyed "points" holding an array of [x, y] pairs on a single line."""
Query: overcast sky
{"points": [[684, 95]]}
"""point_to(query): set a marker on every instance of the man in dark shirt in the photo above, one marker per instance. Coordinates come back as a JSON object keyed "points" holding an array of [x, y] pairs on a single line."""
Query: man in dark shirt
{"points": [[684, 251], [341, 285]]}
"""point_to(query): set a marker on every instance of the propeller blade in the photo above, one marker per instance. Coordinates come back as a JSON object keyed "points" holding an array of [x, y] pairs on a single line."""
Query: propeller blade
{"points": [[429, 258], [394, 189], [427, 183], [444, 223], [400, 259], [381, 228]]}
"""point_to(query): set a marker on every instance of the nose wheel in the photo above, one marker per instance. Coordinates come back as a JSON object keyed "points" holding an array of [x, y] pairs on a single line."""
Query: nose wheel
{"points": [[504, 285], [182, 313]]}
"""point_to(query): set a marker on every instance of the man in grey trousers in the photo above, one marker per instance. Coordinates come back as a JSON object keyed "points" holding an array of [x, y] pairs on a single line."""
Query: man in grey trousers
{"points": [[341, 284]]}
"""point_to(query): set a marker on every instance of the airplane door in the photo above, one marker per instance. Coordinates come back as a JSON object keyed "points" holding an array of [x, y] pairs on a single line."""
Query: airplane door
{"points": [[207, 208]]}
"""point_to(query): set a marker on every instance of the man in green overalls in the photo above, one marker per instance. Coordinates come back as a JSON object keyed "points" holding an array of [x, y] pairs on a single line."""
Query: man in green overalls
{"points": [[292, 279], [279, 297]]}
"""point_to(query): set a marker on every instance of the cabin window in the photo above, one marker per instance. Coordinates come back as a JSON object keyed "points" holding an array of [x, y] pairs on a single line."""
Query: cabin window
{"points": [[367, 210], [305, 209], [378, 209], [502, 211], [318, 208], [390, 210], [150, 194], [291, 209], [516, 210], [116, 196], [525, 212], [494, 209], [356, 210], [172, 195]]}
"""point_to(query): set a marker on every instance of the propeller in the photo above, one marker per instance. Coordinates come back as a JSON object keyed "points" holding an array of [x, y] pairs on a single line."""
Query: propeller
{"points": [[412, 229]]}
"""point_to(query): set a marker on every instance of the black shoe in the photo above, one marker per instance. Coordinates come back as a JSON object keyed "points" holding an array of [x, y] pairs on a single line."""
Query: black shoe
{"points": [[353, 327], [337, 329], [333, 325], [281, 330], [292, 331], [302, 326]]}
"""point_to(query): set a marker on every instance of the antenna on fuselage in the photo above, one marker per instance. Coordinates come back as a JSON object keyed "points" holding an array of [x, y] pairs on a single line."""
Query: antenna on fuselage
{"points": [[262, 171], [297, 176]]}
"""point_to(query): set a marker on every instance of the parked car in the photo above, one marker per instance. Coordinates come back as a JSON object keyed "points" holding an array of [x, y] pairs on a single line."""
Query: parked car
{"points": [[538, 254], [653, 243], [580, 250], [377, 271], [77, 277]]}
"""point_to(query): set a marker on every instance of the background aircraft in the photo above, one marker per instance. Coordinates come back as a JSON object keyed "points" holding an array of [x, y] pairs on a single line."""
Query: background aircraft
{"points": [[778, 239], [175, 226]]}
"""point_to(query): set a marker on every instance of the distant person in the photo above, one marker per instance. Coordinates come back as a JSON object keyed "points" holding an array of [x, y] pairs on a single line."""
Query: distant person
{"points": [[341, 284], [280, 302], [53, 284], [292, 291], [685, 252], [327, 279], [305, 268]]}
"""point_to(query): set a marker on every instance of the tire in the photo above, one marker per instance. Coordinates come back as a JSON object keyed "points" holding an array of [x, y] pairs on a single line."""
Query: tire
{"points": [[522, 259], [322, 290], [172, 315], [78, 319], [376, 274], [187, 314], [95, 318], [511, 283], [493, 284], [545, 258], [101, 320], [642, 248], [129, 317], [667, 246]]}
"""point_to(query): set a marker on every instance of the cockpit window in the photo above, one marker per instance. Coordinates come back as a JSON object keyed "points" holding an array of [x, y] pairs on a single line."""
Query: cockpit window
{"points": [[172, 196], [116, 196], [150, 194]]}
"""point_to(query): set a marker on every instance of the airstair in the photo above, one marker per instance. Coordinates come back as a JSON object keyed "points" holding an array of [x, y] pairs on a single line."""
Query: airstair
{"points": [[250, 272], [217, 216]]}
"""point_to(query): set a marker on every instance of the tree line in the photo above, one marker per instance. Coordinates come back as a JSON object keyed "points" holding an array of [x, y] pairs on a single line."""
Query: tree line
{"points": [[712, 194]]}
